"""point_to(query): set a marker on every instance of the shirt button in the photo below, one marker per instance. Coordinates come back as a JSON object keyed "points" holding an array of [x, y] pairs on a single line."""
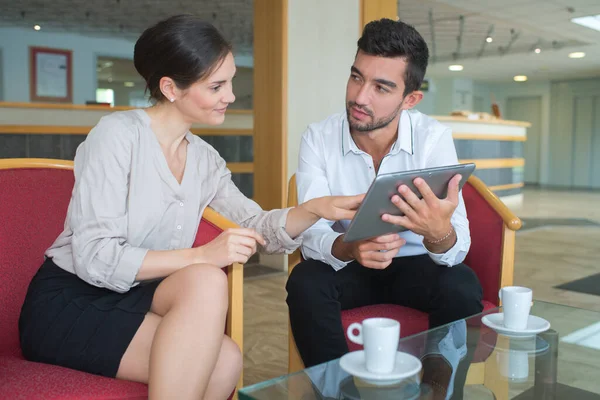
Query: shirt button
{"points": [[178, 226], [181, 203]]}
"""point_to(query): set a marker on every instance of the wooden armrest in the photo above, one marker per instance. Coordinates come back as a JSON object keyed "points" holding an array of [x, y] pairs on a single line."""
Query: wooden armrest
{"points": [[510, 219], [217, 219], [235, 279], [14, 163]]}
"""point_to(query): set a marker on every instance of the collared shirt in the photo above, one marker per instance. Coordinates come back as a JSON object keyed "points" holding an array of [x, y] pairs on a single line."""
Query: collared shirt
{"points": [[126, 201], [330, 163]]}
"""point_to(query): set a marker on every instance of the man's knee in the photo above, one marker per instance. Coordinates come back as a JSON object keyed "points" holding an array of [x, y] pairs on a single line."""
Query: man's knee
{"points": [[307, 279], [460, 288]]}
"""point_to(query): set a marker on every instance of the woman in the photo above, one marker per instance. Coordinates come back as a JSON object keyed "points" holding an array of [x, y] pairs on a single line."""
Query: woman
{"points": [[121, 292]]}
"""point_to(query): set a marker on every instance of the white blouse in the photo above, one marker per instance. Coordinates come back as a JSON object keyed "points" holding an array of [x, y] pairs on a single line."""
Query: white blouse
{"points": [[126, 201]]}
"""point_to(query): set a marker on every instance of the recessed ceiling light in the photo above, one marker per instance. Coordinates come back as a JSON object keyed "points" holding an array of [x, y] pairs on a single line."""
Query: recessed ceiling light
{"points": [[577, 54], [538, 50], [590, 21], [520, 78], [37, 27], [456, 67], [489, 39], [129, 84]]}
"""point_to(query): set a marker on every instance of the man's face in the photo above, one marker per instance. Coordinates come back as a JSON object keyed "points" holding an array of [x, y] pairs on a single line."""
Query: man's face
{"points": [[375, 91]]}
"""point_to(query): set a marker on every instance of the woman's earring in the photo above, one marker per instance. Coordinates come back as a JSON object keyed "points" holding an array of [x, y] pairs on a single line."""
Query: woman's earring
{"points": [[172, 100]]}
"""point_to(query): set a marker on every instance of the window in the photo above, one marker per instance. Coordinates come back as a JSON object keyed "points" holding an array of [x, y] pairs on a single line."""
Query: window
{"points": [[105, 96]]}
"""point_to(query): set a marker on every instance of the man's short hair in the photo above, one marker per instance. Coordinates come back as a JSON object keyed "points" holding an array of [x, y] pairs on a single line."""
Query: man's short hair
{"points": [[388, 38]]}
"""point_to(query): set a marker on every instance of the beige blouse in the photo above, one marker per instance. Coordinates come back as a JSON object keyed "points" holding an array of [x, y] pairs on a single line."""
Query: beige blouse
{"points": [[126, 201]]}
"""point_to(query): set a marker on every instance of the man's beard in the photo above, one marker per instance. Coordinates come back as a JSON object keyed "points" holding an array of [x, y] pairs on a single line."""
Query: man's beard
{"points": [[376, 123]]}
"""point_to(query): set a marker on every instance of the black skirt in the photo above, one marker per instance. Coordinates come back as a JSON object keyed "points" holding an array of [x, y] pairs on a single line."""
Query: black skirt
{"points": [[66, 321]]}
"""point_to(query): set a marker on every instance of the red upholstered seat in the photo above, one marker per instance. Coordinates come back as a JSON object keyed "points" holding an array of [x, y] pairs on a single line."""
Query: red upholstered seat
{"points": [[21, 379], [485, 257], [411, 321], [33, 206]]}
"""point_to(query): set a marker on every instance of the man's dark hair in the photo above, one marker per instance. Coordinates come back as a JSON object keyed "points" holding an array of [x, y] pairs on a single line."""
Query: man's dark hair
{"points": [[388, 38]]}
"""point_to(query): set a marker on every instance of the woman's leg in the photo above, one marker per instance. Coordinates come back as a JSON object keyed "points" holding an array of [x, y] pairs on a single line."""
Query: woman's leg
{"points": [[180, 348]]}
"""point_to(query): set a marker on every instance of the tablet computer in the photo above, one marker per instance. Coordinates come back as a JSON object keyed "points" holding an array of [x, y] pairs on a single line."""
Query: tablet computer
{"points": [[367, 222]]}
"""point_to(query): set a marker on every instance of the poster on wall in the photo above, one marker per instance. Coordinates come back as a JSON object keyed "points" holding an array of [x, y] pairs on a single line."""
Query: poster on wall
{"points": [[50, 75]]}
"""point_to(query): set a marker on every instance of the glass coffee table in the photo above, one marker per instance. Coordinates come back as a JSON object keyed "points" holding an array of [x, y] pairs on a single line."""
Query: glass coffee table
{"points": [[468, 359]]}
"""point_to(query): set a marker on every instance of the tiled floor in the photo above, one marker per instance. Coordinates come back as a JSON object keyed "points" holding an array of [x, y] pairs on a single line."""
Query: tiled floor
{"points": [[546, 256], [553, 254]]}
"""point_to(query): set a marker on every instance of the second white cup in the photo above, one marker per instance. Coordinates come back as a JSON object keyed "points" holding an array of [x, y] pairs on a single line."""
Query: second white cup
{"points": [[516, 303], [380, 337]]}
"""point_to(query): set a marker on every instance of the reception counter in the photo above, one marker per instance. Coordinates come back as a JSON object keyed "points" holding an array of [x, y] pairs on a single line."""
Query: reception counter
{"points": [[496, 147], [55, 131]]}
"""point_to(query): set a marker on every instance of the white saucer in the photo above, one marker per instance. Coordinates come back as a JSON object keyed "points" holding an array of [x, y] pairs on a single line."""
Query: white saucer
{"points": [[406, 365], [535, 325]]}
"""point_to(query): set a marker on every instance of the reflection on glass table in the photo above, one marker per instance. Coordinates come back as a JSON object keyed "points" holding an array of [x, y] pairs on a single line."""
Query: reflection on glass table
{"points": [[468, 359]]}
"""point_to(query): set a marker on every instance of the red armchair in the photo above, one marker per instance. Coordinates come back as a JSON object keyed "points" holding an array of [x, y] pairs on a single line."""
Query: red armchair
{"points": [[33, 203], [491, 256]]}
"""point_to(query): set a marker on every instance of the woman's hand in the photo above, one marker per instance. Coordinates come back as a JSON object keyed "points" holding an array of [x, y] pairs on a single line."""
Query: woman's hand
{"points": [[334, 208], [231, 246]]}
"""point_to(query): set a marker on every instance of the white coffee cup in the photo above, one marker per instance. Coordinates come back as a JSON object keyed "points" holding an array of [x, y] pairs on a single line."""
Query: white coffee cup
{"points": [[380, 337], [516, 303]]}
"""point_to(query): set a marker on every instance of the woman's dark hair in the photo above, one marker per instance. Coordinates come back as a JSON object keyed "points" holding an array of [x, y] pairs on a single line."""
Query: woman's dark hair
{"points": [[387, 38], [183, 48]]}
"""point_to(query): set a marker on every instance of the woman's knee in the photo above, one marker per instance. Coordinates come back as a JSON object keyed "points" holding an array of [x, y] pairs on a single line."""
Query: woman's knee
{"points": [[230, 360], [201, 281], [194, 285], [232, 352]]}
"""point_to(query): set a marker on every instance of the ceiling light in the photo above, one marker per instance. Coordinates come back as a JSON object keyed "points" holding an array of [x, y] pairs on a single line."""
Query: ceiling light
{"points": [[489, 39], [37, 27], [590, 21], [577, 54], [128, 84], [520, 78], [456, 67], [538, 50]]}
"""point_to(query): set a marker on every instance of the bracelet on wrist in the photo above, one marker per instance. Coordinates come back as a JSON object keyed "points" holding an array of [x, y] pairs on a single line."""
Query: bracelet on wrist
{"points": [[445, 237]]}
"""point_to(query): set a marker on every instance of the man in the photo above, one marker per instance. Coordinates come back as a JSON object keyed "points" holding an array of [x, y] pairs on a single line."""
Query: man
{"points": [[380, 133]]}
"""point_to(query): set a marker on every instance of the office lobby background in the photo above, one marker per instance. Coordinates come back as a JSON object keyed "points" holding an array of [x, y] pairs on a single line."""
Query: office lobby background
{"points": [[538, 61]]}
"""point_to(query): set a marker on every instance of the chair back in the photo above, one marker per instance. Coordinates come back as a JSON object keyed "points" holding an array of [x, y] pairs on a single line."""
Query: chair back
{"points": [[34, 198], [485, 255], [207, 231]]}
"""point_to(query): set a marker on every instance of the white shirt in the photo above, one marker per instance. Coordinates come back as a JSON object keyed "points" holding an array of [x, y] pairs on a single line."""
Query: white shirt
{"points": [[330, 163]]}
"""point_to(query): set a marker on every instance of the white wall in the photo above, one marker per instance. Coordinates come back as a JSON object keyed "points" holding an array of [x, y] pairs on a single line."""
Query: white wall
{"points": [[427, 104], [14, 60], [503, 91], [15, 43], [446, 95], [462, 94], [322, 38], [1, 74]]}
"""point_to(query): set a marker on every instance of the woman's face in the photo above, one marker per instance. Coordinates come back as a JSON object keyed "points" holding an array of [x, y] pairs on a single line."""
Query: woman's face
{"points": [[206, 101]]}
